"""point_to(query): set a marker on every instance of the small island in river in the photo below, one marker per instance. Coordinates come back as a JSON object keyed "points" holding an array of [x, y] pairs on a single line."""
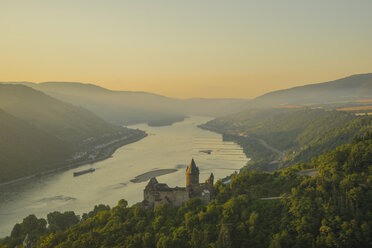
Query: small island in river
{"points": [[155, 173]]}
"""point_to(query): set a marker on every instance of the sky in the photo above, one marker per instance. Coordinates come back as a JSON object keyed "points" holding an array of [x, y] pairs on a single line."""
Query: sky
{"points": [[190, 48]]}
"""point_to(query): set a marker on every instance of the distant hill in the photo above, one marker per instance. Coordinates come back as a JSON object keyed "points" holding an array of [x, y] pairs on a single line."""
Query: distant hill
{"points": [[351, 88], [214, 107], [127, 107], [299, 135], [39, 133], [297, 124], [64, 120], [120, 107], [24, 146]]}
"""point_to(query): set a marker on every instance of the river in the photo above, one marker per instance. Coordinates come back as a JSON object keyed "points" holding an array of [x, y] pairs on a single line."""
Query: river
{"points": [[168, 147]]}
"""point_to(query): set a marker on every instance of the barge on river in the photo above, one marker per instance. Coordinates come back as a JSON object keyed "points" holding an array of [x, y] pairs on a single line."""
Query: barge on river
{"points": [[79, 173]]}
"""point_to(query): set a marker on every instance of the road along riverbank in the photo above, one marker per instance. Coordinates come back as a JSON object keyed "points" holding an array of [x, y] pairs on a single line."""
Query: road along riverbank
{"points": [[104, 153]]}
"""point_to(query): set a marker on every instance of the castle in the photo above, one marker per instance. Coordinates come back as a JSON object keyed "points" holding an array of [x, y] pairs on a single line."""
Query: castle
{"points": [[156, 194]]}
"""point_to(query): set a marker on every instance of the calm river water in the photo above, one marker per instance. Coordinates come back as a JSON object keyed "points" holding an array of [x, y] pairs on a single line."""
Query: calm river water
{"points": [[164, 148]]}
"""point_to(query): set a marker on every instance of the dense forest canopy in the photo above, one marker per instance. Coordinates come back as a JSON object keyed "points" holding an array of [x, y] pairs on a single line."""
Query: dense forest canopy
{"points": [[256, 209]]}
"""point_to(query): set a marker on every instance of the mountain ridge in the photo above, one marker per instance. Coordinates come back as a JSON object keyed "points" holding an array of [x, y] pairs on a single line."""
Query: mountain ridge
{"points": [[129, 107], [354, 86], [149, 105], [39, 133]]}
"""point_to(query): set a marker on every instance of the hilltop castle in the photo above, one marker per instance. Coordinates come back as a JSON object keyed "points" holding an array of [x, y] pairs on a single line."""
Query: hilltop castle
{"points": [[156, 193]]}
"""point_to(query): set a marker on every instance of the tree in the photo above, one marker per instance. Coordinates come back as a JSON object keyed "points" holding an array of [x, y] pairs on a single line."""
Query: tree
{"points": [[224, 240], [61, 221]]}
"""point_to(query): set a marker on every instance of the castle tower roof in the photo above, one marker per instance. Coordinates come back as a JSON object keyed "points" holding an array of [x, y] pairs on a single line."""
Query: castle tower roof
{"points": [[192, 168], [153, 181], [155, 185], [210, 179]]}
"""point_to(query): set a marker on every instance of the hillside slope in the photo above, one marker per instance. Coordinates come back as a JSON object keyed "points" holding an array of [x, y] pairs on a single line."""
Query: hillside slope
{"points": [[39, 133], [25, 149], [281, 209], [128, 107], [121, 107], [65, 121], [299, 134], [351, 88]]}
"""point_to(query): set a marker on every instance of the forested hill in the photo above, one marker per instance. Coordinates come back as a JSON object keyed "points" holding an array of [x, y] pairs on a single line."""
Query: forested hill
{"points": [[64, 120], [119, 107], [128, 107], [331, 209], [300, 134], [351, 88], [23, 146], [39, 133]]}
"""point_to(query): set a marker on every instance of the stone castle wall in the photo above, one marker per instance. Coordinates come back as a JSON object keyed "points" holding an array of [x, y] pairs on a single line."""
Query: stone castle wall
{"points": [[192, 179], [174, 197], [156, 194]]}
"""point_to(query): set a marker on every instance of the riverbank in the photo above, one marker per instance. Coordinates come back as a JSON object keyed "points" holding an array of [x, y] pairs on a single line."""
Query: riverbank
{"points": [[104, 153], [254, 148], [169, 147]]}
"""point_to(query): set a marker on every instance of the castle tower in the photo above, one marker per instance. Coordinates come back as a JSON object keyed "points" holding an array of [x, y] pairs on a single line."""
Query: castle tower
{"points": [[210, 180], [192, 175]]}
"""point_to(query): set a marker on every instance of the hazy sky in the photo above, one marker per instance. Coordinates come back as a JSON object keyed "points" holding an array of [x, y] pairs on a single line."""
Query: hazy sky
{"points": [[185, 48]]}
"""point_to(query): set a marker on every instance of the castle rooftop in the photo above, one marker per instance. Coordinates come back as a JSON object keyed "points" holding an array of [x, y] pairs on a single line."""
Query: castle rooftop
{"points": [[192, 168]]}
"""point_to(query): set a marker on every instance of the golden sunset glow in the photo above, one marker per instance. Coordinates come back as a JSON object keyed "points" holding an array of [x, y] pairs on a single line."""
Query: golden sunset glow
{"points": [[185, 49]]}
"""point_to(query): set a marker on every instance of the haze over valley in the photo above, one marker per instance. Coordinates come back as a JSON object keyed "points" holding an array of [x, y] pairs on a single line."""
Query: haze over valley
{"points": [[195, 124], [40, 133], [79, 123], [76, 124]]}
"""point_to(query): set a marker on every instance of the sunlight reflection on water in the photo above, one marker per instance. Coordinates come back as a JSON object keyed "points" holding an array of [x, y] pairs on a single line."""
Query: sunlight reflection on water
{"points": [[170, 147]]}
